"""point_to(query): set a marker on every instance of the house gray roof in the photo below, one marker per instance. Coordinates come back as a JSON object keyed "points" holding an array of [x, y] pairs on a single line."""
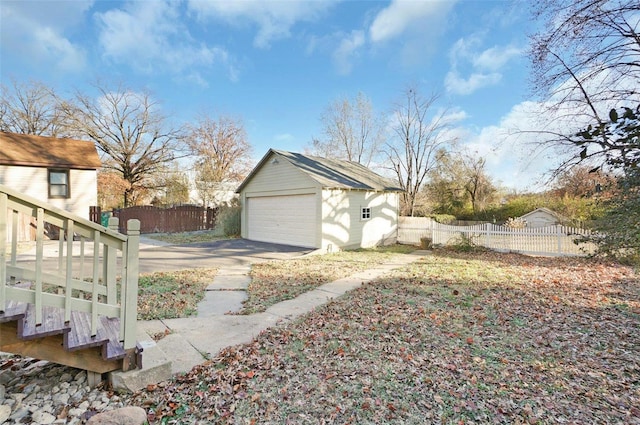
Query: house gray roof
{"points": [[331, 173]]}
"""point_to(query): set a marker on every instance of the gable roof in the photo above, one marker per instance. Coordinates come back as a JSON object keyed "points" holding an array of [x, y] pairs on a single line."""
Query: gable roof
{"points": [[39, 151], [330, 173], [543, 210]]}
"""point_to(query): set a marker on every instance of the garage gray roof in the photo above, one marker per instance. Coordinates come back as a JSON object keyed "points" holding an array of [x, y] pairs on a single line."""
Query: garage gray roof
{"points": [[332, 173]]}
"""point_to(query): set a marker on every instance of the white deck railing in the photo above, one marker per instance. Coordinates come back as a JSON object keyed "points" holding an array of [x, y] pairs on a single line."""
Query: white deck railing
{"points": [[97, 274], [551, 240]]}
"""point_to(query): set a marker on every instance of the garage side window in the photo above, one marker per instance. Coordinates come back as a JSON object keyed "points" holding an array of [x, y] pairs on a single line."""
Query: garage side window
{"points": [[365, 213], [59, 184]]}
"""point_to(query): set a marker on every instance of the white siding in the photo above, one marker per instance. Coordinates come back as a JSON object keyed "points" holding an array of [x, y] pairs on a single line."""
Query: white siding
{"points": [[342, 223], [32, 181], [540, 219]]}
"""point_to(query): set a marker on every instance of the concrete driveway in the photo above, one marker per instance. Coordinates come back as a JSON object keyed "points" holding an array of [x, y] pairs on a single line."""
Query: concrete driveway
{"points": [[220, 253], [158, 256]]}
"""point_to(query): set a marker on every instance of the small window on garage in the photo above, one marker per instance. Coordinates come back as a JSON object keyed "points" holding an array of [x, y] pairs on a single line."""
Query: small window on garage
{"points": [[365, 213], [59, 184]]}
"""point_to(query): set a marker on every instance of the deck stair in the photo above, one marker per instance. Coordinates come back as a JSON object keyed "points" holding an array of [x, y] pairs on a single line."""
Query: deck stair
{"points": [[78, 309]]}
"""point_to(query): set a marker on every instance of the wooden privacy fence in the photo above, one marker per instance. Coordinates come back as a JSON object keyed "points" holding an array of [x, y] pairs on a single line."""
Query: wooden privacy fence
{"points": [[552, 240], [184, 218]]}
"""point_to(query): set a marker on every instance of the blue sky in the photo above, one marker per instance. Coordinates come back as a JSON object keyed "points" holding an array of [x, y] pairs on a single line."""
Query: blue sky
{"points": [[278, 64]]}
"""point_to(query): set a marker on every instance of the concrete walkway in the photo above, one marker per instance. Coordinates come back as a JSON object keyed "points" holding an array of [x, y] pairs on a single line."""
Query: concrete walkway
{"points": [[191, 341]]}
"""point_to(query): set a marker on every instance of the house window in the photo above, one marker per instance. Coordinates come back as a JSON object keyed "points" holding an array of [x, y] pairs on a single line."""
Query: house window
{"points": [[365, 213], [58, 183]]}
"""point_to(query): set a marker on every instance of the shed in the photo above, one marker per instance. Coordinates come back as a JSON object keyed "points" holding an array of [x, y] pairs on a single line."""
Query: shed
{"points": [[542, 217], [308, 201], [59, 171]]}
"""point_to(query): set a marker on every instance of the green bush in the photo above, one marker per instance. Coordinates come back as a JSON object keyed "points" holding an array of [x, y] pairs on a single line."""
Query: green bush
{"points": [[618, 231], [464, 243], [443, 218], [229, 220]]}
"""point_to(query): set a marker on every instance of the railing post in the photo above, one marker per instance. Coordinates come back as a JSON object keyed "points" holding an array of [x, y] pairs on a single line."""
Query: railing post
{"points": [[110, 265], [4, 207], [68, 290], [114, 223], [95, 283], [130, 290], [39, 258]]}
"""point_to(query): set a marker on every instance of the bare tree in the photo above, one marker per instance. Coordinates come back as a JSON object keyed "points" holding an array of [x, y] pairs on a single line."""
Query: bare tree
{"points": [[131, 132], [581, 182], [174, 185], [421, 133], [585, 61], [477, 183], [460, 180], [352, 131], [30, 108], [223, 154]]}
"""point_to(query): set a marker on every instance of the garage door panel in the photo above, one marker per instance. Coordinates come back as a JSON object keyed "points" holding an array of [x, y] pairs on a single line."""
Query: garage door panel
{"points": [[289, 220]]}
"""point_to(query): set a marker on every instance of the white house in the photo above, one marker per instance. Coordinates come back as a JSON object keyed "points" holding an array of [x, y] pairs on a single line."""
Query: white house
{"points": [[295, 199], [61, 172]]}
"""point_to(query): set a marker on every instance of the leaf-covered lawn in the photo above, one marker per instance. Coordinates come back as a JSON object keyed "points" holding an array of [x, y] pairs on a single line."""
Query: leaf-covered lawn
{"points": [[167, 295], [276, 281], [456, 338]]}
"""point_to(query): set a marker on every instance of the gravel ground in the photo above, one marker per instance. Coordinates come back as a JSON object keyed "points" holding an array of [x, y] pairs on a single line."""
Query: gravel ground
{"points": [[39, 392]]}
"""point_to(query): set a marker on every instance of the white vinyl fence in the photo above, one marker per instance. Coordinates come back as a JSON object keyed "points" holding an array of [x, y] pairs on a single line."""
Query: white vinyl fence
{"points": [[552, 240]]}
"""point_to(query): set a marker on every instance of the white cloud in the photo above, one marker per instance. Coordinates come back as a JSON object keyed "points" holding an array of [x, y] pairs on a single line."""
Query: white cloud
{"points": [[346, 50], [484, 66], [37, 30], [274, 19], [459, 85], [514, 147], [496, 57], [149, 37], [403, 15]]}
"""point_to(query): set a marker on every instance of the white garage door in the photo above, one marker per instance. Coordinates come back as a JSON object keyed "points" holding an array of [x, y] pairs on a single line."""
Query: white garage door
{"points": [[288, 220]]}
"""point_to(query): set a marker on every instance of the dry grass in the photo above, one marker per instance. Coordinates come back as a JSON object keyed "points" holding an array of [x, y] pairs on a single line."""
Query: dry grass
{"points": [[167, 295], [470, 338], [186, 237]]}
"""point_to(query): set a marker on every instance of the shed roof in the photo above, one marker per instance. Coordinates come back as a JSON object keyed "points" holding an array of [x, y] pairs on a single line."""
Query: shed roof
{"points": [[543, 210], [40, 151], [330, 173]]}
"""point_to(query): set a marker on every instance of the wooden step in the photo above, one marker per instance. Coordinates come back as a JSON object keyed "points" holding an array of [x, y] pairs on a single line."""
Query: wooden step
{"points": [[107, 335], [14, 310], [76, 335], [52, 323]]}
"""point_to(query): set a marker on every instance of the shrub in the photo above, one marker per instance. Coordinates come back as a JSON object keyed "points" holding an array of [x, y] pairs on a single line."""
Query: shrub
{"points": [[229, 220], [515, 223], [444, 218], [426, 242]]}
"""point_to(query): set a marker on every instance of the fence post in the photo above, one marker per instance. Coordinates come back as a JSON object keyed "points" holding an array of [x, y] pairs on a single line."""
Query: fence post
{"points": [[131, 284], [487, 232], [559, 235]]}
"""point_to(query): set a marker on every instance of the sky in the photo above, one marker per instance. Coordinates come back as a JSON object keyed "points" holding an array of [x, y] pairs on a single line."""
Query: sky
{"points": [[277, 65]]}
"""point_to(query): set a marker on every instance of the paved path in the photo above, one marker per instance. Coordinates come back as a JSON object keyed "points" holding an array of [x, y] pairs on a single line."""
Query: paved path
{"points": [[191, 341]]}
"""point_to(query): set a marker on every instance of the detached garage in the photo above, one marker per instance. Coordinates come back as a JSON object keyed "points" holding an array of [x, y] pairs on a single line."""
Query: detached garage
{"points": [[314, 202]]}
